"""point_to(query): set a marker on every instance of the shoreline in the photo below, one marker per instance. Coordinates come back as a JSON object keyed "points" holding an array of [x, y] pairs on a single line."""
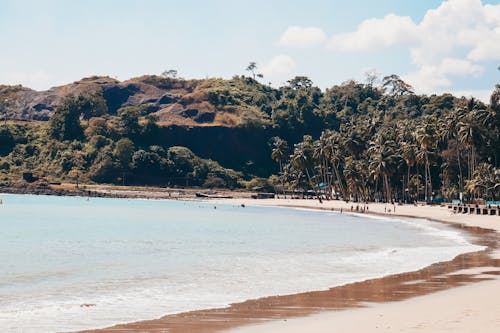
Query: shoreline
{"points": [[264, 314], [437, 282], [418, 313]]}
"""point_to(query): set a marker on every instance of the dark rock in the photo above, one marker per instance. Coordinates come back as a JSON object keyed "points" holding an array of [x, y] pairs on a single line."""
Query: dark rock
{"points": [[189, 113], [151, 108], [168, 99], [117, 95], [29, 178], [41, 107], [205, 117]]}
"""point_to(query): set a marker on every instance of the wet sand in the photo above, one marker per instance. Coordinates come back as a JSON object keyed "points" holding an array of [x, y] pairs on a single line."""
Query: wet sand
{"points": [[476, 276]]}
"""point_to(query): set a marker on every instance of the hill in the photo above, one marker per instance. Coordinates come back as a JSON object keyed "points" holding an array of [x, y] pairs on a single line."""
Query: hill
{"points": [[355, 140], [211, 102]]}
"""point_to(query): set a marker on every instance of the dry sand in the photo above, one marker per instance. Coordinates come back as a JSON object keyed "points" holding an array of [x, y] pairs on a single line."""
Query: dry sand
{"points": [[436, 213], [470, 308]]}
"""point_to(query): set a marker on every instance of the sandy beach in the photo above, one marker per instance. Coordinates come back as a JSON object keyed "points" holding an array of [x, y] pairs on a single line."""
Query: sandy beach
{"points": [[469, 308], [436, 213], [460, 295]]}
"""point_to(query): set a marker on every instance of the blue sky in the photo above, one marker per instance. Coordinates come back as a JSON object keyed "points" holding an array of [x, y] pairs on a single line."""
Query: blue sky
{"points": [[52, 42]]}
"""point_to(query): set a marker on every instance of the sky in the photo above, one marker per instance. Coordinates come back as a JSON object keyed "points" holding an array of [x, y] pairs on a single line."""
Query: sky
{"points": [[436, 46]]}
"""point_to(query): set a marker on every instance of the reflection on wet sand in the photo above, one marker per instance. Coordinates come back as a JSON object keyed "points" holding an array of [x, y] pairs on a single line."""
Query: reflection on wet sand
{"points": [[467, 268]]}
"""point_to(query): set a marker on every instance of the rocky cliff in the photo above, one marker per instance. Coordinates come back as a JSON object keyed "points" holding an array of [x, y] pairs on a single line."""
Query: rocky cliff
{"points": [[172, 101]]}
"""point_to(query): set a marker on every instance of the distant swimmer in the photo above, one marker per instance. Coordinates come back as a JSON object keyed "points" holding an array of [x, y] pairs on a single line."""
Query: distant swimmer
{"points": [[1, 201], [243, 205]]}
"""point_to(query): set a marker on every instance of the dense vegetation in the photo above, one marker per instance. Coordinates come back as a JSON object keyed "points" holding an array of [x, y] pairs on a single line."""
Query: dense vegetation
{"points": [[355, 140]]}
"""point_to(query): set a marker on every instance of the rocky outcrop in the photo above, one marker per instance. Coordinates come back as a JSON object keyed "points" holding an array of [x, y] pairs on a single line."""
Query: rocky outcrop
{"points": [[20, 103], [172, 101]]}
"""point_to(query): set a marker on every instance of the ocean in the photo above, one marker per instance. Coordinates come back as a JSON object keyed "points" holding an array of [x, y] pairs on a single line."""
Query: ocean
{"points": [[72, 263]]}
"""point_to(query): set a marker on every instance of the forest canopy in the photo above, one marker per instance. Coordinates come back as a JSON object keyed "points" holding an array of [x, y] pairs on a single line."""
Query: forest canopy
{"points": [[358, 141]]}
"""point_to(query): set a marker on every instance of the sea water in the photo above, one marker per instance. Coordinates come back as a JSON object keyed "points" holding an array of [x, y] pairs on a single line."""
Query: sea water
{"points": [[70, 263]]}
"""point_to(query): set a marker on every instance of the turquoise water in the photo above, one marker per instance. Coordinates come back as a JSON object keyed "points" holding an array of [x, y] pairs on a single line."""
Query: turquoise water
{"points": [[141, 259]]}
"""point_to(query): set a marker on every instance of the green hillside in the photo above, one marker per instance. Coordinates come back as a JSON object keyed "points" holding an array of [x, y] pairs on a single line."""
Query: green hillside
{"points": [[352, 140]]}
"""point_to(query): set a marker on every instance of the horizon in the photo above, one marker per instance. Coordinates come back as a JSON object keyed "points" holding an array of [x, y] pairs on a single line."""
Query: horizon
{"points": [[437, 47]]}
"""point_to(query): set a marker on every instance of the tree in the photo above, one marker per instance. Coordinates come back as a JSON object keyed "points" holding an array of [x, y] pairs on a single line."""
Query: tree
{"points": [[468, 131], [148, 166], [96, 126], [124, 150], [170, 73], [300, 82], [252, 68], [280, 154], [91, 105], [355, 172], [426, 137], [129, 117], [371, 77], [383, 160], [7, 141], [65, 122], [103, 169], [448, 129], [408, 153], [302, 161], [396, 86], [76, 174], [485, 182]]}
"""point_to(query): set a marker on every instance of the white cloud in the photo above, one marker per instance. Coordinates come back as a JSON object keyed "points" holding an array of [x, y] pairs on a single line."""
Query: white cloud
{"points": [[451, 40], [455, 66], [430, 77], [280, 66], [297, 36], [487, 47], [427, 79], [377, 33]]}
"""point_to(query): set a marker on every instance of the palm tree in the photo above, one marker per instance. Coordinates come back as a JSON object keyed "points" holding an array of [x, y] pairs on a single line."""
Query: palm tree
{"points": [[448, 129], [486, 182], [425, 135], [407, 150], [321, 157], [333, 143], [356, 177], [383, 160], [302, 161], [408, 153], [279, 154], [468, 131]]}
